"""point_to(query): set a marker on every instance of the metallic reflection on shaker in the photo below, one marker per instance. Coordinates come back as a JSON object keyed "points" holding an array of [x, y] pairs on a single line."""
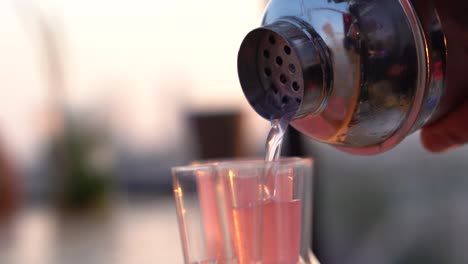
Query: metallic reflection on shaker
{"points": [[359, 75]]}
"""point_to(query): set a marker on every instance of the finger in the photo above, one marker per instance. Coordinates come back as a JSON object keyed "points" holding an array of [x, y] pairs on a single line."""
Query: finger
{"points": [[449, 132]]}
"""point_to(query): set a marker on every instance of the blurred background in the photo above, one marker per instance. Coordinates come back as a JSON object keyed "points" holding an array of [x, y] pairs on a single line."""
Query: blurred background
{"points": [[100, 98]]}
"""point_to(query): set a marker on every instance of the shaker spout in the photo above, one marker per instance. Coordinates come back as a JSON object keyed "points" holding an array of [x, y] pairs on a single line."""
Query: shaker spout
{"points": [[284, 70]]}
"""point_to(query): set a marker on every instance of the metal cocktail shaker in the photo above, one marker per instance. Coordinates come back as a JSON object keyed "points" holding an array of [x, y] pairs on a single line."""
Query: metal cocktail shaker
{"points": [[359, 74]]}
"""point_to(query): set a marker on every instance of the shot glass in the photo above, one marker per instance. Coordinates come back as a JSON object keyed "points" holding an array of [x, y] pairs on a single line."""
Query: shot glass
{"points": [[245, 211]]}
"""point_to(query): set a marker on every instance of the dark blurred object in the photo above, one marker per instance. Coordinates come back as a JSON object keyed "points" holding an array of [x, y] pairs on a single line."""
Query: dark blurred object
{"points": [[9, 188], [218, 134], [293, 145]]}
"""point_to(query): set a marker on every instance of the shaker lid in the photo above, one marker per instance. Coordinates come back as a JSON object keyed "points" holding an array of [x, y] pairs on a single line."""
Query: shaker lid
{"points": [[282, 70]]}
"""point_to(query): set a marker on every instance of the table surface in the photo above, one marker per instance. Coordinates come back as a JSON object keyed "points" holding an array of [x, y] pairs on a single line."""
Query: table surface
{"points": [[133, 233]]}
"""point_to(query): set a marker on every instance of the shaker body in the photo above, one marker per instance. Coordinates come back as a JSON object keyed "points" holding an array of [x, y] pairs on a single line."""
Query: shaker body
{"points": [[370, 72]]}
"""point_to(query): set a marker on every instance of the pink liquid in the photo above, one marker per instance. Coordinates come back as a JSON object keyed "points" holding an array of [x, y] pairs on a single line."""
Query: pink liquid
{"points": [[266, 232], [211, 218], [280, 232]]}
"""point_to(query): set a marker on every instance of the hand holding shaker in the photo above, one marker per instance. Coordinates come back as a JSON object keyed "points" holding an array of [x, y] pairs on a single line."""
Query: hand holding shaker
{"points": [[360, 75]]}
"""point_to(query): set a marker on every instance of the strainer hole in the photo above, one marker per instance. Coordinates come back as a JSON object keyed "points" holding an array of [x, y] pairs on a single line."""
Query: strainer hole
{"points": [[292, 68], [295, 86], [279, 61], [272, 40], [298, 100], [273, 88], [287, 50], [266, 54], [283, 79], [267, 72], [285, 100]]}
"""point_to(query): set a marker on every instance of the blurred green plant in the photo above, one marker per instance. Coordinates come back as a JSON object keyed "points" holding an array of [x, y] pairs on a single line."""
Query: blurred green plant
{"points": [[82, 162], [84, 171]]}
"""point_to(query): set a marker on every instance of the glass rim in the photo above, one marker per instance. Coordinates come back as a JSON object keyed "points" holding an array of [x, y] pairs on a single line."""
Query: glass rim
{"points": [[229, 163]]}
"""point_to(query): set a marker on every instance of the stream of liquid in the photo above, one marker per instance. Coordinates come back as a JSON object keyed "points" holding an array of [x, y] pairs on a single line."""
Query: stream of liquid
{"points": [[275, 138]]}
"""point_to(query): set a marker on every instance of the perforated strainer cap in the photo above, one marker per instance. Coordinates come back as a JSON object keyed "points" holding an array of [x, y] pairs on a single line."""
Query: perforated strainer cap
{"points": [[282, 71]]}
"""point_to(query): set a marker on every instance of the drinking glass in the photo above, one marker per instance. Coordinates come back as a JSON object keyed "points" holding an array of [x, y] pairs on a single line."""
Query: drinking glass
{"points": [[245, 211]]}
